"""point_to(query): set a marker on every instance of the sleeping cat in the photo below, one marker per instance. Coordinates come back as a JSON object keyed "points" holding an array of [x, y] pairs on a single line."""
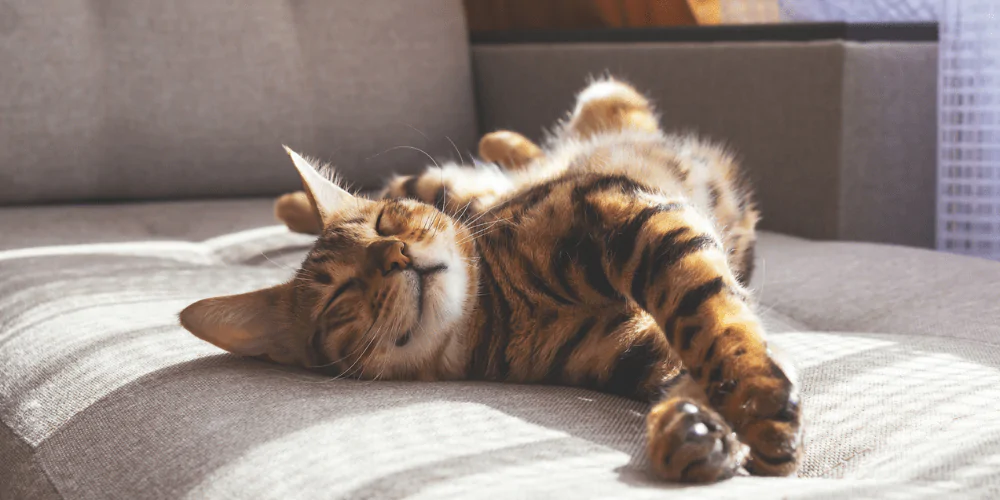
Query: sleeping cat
{"points": [[613, 259]]}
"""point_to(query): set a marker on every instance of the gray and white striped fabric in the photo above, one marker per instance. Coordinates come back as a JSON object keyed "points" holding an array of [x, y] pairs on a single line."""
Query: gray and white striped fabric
{"points": [[103, 395]]}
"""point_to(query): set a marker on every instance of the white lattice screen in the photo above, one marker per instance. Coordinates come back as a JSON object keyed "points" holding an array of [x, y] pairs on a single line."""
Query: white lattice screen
{"points": [[969, 131], [968, 219], [858, 11]]}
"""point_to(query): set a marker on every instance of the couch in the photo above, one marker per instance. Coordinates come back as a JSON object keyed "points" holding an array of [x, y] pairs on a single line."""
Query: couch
{"points": [[140, 150]]}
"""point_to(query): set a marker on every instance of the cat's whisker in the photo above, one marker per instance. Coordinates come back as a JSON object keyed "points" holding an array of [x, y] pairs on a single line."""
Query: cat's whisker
{"points": [[464, 210], [482, 232], [347, 372], [379, 327], [415, 129], [351, 370], [461, 160], [428, 222], [480, 216], [473, 227], [334, 362], [278, 265], [763, 280], [425, 153], [444, 187], [485, 225], [385, 360], [437, 218]]}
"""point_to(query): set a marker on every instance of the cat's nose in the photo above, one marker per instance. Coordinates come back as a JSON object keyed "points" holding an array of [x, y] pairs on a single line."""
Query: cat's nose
{"points": [[389, 256]]}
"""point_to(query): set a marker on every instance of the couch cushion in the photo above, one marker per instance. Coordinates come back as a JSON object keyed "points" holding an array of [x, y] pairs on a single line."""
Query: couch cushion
{"points": [[103, 395], [59, 225], [150, 99]]}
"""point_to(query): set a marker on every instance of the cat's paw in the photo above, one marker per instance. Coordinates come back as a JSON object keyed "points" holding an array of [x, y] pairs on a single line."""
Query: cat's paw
{"points": [[297, 212], [771, 426], [510, 150], [610, 105], [691, 443]]}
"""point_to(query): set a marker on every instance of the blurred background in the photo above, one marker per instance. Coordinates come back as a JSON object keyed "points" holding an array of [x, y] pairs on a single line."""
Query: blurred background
{"points": [[486, 15], [968, 163]]}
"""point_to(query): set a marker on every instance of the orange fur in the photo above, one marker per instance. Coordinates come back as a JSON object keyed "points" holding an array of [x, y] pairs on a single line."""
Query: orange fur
{"points": [[510, 150]]}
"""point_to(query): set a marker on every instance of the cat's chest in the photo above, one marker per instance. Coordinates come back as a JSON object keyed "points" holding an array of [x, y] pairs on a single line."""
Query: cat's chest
{"points": [[539, 343]]}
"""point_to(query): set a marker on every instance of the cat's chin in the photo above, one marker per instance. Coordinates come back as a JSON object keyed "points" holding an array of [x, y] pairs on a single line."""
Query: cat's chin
{"points": [[437, 297], [440, 294]]}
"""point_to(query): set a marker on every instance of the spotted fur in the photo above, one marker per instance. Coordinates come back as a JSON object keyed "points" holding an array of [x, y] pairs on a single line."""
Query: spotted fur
{"points": [[614, 259]]}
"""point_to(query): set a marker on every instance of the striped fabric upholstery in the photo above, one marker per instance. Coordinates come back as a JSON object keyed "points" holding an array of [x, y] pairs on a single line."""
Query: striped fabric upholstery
{"points": [[103, 395]]}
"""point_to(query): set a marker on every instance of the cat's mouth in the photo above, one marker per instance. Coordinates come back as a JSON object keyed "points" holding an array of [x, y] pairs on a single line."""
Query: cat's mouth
{"points": [[422, 283], [424, 277]]}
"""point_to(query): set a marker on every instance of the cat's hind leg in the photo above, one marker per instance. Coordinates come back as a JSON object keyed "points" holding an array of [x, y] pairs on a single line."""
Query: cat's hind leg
{"points": [[510, 150], [609, 105]]}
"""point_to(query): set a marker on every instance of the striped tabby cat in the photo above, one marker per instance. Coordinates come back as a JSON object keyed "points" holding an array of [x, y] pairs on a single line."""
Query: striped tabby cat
{"points": [[614, 259]]}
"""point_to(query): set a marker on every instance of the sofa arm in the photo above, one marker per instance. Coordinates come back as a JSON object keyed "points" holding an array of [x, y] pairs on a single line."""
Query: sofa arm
{"points": [[838, 137]]}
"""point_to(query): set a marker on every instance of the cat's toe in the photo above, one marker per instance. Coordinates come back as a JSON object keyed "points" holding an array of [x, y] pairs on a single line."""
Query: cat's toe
{"points": [[690, 443]]}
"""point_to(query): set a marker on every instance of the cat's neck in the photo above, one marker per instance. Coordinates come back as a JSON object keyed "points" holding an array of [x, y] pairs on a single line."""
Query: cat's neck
{"points": [[476, 329], [469, 342]]}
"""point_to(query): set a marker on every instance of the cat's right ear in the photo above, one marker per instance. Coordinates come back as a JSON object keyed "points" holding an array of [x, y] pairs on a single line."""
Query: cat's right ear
{"points": [[248, 324], [326, 197]]}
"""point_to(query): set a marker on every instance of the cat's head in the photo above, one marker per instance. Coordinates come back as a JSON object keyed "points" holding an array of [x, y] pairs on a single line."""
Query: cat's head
{"points": [[375, 297]]}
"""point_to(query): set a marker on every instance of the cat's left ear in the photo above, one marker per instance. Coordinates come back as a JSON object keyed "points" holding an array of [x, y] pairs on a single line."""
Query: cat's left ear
{"points": [[326, 197], [248, 324]]}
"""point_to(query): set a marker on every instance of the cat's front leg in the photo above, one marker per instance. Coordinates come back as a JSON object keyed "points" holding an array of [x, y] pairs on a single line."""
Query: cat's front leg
{"points": [[297, 211], [459, 191], [510, 150], [666, 257]]}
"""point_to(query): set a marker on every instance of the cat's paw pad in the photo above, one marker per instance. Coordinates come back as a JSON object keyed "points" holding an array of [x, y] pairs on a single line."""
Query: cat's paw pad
{"points": [[691, 443]]}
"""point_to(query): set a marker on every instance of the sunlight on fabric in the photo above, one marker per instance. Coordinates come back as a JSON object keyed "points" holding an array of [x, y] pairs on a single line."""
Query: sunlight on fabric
{"points": [[905, 414], [809, 349], [175, 250], [556, 477], [75, 359], [361, 452], [601, 475], [218, 250], [243, 237], [253, 245]]}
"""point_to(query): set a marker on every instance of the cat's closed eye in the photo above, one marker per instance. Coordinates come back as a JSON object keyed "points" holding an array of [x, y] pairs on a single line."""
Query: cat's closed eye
{"points": [[337, 293], [378, 224]]}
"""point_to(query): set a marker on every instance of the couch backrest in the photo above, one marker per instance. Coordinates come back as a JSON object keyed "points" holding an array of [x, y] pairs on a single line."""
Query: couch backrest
{"points": [[145, 99]]}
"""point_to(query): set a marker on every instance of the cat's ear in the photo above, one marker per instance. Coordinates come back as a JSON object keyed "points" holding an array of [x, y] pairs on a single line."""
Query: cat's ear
{"points": [[326, 197], [249, 324]]}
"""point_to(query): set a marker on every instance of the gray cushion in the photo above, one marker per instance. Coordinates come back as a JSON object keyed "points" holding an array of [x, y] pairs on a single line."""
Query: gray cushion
{"points": [[149, 99], [103, 395]]}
